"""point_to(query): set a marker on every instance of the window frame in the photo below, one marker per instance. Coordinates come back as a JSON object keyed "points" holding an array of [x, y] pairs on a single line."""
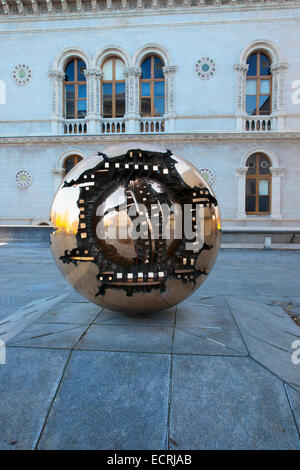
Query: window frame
{"points": [[152, 80], [76, 84], [257, 176], [113, 82], [258, 77]]}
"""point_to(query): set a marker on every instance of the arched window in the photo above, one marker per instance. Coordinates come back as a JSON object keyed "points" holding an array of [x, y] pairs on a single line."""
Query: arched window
{"points": [[152, 87], [113, 88], [70, 162], [258, 184], [75, 90], [259, 85]]}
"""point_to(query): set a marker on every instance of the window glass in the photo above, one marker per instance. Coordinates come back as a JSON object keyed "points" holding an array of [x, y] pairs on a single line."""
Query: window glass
{"points": [[80, 71], [250, 203], [107, 99], [263, 188], [251, 87], [159, 88], [251, 104], [251, 164], [107, 70], [146, 106], [119, 69], [120, 99], [146, 68], [70, 72], [70, 92], [264, 65], [251, 186], [252, 60], [81, 108], [263, 204], [264, 104], [159, 106], [70, 110], [264, 165], [265, 86], [158, 68], [81, 91], [145, 88]]}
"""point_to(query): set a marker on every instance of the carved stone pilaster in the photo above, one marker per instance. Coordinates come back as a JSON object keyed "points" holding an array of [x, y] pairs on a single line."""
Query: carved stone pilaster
{"points": [[278, 93], [57, 78], [240, 94], [241, 72], [169, 74], [132, 87], [278, 76], [93, 82], [132, 75]]}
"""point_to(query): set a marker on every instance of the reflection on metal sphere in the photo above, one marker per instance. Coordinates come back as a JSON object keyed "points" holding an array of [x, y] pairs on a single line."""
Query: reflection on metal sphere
{"points": [[137, 228]]}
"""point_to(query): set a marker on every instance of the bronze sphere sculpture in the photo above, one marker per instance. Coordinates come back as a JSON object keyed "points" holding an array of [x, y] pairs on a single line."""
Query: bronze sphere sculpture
{"points": [[136, 228]]}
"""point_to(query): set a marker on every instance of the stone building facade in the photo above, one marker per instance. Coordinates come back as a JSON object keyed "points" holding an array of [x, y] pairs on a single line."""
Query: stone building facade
{"points": [[229, 98]]}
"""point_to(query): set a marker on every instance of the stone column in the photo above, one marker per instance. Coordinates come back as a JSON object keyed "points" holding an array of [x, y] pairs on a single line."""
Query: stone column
{"points": [[93, 87], [132, 88], [278, 92], [277, 174], [169, 74], [240, 72], [57, 78], [241, 201]]}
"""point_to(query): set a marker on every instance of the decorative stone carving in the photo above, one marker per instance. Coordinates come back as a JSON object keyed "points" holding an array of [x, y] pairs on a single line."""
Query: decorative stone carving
{"points": [[241, 72], [169, 74], [93, 81], [278, 78], [23, 179], [57, 78], [22, 74], [205, 68], [132, 75], [277, 172]]}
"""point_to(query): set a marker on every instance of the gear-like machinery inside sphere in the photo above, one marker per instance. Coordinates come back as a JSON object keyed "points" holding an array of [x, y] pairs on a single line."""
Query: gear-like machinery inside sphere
{"points": [[137, 228]]}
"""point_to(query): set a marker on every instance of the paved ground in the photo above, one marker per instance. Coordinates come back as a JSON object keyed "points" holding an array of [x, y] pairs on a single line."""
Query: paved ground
{"points": [[214, 373]]}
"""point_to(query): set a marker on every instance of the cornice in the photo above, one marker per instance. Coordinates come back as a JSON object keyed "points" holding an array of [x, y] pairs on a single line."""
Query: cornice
{"points": [[178, 137], [169, 10]]}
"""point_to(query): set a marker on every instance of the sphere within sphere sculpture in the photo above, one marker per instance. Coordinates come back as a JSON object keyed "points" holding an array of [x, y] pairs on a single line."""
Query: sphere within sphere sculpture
{"points": [[137, 228]]}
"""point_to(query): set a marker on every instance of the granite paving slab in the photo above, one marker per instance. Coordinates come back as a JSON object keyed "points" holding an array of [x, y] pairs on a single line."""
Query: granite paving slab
{"points": [[228, 403], [49, 335], [71, 312], [28, 383], [127, 338], [122, 405]]}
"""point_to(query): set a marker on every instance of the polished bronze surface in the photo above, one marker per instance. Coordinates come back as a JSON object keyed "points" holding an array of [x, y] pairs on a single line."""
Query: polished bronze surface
{"points": [[137, 228]]}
